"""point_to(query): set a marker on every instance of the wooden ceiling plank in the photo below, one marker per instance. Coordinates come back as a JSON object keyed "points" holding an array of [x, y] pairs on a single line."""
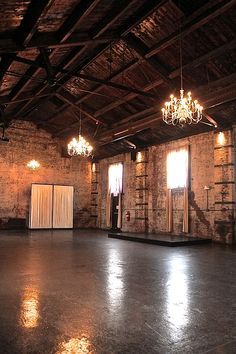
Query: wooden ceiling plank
{"points": [[49, 40], [112, 17], [80, 12], [115, 85], [141, 49], [30, 21], [138, 16], [188, 27], [210, 99], [71, 103], [194, 63]]}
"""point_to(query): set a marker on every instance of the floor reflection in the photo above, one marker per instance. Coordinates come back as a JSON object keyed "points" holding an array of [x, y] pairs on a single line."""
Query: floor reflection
{"points": [[115, 282], [76, 346], [177, 297], [29, 315]]}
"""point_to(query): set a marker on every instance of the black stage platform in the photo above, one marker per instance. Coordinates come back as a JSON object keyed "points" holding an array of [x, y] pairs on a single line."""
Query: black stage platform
{"points": [[160, 239]]}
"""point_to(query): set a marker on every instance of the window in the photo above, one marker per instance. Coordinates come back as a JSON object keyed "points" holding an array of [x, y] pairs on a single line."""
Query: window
{"points": [[177, 168], [115, 178]]}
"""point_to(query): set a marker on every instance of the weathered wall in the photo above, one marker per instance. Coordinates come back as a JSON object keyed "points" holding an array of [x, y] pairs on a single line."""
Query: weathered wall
{"points": [[145, 188], [27, 143]]}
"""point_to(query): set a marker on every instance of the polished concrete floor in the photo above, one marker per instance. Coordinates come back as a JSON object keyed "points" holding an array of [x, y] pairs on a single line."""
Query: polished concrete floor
{"points": [[79, 292]]}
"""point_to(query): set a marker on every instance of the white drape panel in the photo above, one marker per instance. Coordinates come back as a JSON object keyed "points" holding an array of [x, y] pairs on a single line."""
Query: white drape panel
{"points": [[115, 178], [177, 168], [115, 186], [177, 177], [41, 206], [63, 207]]}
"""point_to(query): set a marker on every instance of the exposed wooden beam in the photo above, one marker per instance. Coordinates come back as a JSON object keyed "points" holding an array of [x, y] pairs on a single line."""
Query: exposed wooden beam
{"points": [[146, 118], [200, 60], [141, 49], [5, 63], [137, 17], [30, 21], [80, 12], [210, 119], [112, 17], [193, 23], [50, 40], [205, 58], [95, 89], [66, 98], [126, 98], [115, 85]]}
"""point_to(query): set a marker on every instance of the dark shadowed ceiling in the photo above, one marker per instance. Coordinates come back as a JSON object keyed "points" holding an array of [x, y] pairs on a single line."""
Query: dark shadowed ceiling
{"points": [[116, 62]]}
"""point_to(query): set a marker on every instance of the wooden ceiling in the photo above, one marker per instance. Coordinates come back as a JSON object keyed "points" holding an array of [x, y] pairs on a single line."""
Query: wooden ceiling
{"points": [[115, 63]]}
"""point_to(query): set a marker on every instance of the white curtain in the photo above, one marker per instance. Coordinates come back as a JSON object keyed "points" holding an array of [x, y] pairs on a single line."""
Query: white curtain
{"points": [[115, 186], [63, 207], [177, 177], [115, 178], [41, 206], [177, 168]]}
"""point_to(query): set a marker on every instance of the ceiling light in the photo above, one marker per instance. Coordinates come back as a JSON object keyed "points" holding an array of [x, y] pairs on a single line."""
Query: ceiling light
{"points": [[79, 146], [182, 110]]}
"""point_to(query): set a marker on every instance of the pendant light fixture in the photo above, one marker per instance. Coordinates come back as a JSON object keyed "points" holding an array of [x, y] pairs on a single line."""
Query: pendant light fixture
{"points": [[79, 146], [182, 110]]}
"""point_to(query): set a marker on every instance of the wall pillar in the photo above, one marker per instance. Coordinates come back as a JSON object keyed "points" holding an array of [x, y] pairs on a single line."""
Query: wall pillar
{"points": [[141, 192], [94, 195], [224, 179]]}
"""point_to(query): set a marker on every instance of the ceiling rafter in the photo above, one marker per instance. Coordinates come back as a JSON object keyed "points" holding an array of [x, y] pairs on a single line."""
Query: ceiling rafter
{"points": [[25, 30], [137, 17], [175, 73], [141, 49], [152, 115], [28, 26], [73, 20], [192, 23], [204, 15]]}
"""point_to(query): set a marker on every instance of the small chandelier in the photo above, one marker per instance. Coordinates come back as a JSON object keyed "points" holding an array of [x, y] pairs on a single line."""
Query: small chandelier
{"points": [[79, 146], [33, 164], [183, 110]]}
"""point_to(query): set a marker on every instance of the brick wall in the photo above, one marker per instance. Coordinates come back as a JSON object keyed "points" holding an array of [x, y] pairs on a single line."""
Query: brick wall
{"points": [[145, 188], [27, 143]]}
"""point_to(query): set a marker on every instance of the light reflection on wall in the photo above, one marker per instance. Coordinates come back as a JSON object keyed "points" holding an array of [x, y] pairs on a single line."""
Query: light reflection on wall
{"points": [[76, 346], [115, 283], [177, 298], [29, 315]]}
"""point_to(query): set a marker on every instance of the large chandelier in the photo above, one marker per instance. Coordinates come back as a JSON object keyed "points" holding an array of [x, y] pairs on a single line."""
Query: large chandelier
{"points": [[183, 110], [79, 146]]}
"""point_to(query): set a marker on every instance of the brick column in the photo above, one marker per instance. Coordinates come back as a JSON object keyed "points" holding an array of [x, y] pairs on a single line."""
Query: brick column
{"points": [[94, 195], [224, 177], [141, 192]]}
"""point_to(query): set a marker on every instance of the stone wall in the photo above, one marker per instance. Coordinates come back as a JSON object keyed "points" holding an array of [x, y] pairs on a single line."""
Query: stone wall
{"points": [[211, 165], [27, 143]]}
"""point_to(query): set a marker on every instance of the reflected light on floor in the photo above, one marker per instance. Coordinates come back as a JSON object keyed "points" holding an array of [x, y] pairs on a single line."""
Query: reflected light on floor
{"points": [[115, 278], [177, 297], [76, 346], [30, 308]]}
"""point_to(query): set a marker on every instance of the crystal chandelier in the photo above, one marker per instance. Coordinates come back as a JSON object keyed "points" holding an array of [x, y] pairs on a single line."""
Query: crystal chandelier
{"points": [[79, 146], [183, 110]]}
